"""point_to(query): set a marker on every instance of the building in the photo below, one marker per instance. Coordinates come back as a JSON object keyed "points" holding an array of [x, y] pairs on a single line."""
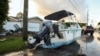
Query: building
{"points": [[34, 24], [35, 20]]}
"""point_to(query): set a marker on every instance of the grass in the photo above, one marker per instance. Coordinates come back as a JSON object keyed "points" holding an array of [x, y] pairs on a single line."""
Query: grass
{"points": [[13, 43]]}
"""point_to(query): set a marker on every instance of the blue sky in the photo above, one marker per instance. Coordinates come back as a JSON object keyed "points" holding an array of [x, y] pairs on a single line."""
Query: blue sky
{"points": [[94, 11]]}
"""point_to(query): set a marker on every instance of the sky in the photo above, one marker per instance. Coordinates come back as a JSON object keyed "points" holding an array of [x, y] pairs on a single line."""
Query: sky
{"points": [[93, 9], [17, 6]]}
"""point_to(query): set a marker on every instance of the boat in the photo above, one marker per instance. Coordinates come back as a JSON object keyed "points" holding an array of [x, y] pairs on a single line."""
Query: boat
{"points": [[69, 33]]}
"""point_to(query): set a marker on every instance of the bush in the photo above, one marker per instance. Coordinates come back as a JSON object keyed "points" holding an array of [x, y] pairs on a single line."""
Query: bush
{"points": [[72, 23], [82, 24], [99, 28], [12, 44]]}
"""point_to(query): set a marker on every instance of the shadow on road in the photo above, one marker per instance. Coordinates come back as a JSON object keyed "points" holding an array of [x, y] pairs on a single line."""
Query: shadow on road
{"points": [[66, 50], [87, 38]]}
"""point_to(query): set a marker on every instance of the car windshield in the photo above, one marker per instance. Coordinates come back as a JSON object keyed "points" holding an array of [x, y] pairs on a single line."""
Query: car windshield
{"points": [[89, 27]]}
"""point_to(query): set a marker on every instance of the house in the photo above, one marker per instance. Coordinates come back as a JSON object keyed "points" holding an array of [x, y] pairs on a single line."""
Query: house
{"points": [[32, 20], [34, 24], [36, 20]]}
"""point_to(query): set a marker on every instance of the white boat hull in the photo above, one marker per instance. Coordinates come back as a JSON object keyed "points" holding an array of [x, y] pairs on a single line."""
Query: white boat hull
{"points": [[69, 35]]}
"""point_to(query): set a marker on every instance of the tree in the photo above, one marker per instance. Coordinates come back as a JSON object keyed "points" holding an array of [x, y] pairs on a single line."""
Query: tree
{"points": [[4, 7], [98, 23], [19, 15]]}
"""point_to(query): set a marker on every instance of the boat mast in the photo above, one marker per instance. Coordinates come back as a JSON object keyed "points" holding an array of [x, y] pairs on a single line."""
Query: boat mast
{"points": [[25, 23]]}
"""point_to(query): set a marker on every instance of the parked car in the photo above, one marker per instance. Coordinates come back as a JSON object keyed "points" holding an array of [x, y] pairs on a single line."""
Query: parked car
{"points": [[88, 29]]}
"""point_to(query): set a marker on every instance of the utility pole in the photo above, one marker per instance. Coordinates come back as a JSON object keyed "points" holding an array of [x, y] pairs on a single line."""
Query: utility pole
{"points": [[87, 17], [25, 22]]}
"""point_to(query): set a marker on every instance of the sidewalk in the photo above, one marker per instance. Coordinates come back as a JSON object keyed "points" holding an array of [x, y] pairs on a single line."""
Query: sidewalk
{"points": [[19, 53]]}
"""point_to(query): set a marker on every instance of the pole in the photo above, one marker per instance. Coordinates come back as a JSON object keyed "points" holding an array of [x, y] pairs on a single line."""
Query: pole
{"points": [[87, 17], [25, 23]]}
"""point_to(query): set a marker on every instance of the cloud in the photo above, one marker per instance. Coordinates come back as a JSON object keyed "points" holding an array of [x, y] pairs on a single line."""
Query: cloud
{"points": [[49, 6]]}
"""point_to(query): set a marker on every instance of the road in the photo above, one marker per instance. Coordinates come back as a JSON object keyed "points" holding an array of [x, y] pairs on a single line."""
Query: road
{"points": [[88, 45]]}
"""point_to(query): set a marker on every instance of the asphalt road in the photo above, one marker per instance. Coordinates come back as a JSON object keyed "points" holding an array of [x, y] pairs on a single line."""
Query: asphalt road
{"points": [[88, 45]]}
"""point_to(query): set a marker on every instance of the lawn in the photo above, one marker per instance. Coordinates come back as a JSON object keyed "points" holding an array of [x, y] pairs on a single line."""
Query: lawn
{"points": [[12, 43]]}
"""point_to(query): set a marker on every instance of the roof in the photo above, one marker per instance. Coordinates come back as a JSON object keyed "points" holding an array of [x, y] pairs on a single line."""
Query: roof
{"points": [[35, 18], [32, 18]]}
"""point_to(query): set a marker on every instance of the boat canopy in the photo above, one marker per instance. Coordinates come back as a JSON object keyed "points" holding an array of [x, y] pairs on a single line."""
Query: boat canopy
{"points": [[58, 15]]}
